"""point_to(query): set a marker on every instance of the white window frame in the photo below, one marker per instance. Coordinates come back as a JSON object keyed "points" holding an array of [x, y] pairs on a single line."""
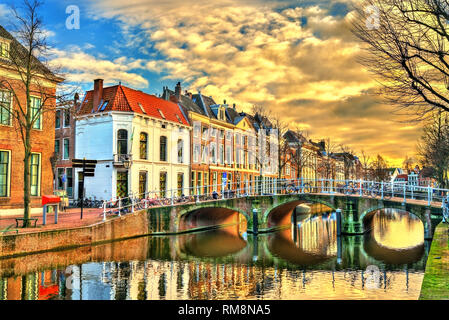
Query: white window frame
{"points": [[10, 107], [8, 181]]}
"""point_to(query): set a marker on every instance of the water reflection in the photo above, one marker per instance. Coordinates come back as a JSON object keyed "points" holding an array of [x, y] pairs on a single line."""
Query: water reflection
{"points": [[294, 263]]}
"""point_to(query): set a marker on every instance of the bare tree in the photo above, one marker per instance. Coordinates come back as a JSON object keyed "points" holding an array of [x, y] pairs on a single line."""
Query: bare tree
{"points": [[326, 164], [32, 78], [433, 147], [380, 169], [407, 49], [365, 161]]}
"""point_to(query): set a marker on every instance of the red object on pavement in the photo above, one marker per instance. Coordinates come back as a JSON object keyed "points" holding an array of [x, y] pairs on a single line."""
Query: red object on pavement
{"points": [[50, 199]]}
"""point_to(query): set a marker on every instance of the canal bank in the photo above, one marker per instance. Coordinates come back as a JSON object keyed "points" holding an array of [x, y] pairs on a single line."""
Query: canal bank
{"points": [[435, 285]]}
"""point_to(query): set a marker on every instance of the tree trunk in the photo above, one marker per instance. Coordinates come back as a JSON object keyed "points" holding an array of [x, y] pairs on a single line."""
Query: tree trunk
{"points": [[26, 179]]}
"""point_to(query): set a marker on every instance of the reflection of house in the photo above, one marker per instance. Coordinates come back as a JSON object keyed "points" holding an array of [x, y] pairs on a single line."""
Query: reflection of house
{"points": [[141, 143]]}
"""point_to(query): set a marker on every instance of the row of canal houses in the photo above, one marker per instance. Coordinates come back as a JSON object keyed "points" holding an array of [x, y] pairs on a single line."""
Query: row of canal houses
{"points": [[175, 144]]}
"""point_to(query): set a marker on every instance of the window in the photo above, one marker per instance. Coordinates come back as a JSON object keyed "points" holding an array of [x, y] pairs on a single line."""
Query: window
{"points": [[65, 156], [213, 153], [103, 106], [57, 148], [204, 133], [142, 183], [69, 176], [179, 119], [180, 151], [58, 119], [198, 183], [5, 107], [122, 184], [36, 115], [206, 183], [143, 145], [196, 153], [180, 184], [221, 134], [163, 148], [193, 182], [228, 135], [228, 155], [161, 113], [163, 184], [204, 154], [4, 173], [196, 130], [221, 154], [66, 118], [34, 173], [60, 184], [122, 141], [4, 50]]}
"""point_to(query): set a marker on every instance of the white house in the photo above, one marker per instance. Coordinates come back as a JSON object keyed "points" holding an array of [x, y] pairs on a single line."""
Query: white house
{"points": [[141, 143]]}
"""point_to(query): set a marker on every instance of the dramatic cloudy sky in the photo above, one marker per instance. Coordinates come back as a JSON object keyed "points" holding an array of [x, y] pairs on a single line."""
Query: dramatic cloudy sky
{"points": [[297, 58]]}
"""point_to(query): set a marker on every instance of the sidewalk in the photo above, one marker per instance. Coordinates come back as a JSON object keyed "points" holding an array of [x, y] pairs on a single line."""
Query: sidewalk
{"points": [[67, 219]]}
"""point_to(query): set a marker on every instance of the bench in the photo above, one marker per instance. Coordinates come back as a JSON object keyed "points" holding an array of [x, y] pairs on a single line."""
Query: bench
{"points": [[24, 220], [9, 229]]}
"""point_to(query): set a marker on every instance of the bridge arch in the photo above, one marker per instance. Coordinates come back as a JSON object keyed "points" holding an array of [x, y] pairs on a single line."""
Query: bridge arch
{"points": [[195, 216], [280, 213], [367, 215]]}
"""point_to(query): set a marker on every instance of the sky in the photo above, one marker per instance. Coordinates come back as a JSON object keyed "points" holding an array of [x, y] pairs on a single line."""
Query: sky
{"points": [[296, 58]]}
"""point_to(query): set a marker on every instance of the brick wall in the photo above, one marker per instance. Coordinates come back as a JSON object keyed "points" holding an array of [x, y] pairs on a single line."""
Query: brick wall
{"points": [[42, 142]]}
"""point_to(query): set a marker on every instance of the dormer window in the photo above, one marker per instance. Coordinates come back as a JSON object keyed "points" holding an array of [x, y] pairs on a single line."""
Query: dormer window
{"points": [[4, 49], [160, 112], [179, 119], [104, 105], [141, 108]]}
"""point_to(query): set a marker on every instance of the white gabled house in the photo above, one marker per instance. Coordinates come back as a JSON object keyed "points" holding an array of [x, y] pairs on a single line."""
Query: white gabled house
{"points": [[141, 143]]}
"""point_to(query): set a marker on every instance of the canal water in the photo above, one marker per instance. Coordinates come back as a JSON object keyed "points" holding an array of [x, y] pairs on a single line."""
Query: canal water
{"points": [[307, 261]]}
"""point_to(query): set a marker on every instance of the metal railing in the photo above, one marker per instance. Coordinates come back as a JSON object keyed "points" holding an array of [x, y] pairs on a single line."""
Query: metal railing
{"points": [[198, 194]]}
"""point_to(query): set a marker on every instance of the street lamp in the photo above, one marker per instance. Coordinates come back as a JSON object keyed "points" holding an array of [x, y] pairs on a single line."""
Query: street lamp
{"points": [[127, 163]]}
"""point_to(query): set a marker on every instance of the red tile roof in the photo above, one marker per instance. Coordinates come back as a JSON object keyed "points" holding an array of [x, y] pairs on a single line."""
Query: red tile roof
{"points": [[121, 98]]}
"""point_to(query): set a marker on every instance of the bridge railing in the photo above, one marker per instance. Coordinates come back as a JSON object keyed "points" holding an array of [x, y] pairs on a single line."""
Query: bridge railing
{"points": [[271, 187]]}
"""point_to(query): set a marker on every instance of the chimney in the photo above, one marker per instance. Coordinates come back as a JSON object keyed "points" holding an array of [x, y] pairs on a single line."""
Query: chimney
{"points": [[233, 106], [76, 99], [98, 92], [178, 91]]}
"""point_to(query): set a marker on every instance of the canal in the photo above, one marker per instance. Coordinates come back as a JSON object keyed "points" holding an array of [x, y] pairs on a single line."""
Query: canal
{"points": [[307, 261]]}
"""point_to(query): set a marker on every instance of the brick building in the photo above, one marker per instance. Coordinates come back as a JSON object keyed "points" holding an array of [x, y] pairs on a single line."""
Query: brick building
{"points": [[65, 146], [11, 146]]}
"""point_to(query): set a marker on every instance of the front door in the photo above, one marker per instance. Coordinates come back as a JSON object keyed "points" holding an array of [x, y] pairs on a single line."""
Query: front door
{"points": [[122, 184]]}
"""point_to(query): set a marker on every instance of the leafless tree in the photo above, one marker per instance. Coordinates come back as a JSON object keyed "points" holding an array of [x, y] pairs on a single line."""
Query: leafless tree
{"points": [[365, 161], [380, 169], [32, 78], [406, 46], [433, 147]]}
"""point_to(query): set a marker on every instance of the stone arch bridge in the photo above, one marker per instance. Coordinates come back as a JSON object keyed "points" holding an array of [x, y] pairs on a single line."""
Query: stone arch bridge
{"points": [[267, 213]]}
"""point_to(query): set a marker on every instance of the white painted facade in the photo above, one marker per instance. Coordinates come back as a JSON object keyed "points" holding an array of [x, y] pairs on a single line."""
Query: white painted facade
{"points": [[96, 139]]}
